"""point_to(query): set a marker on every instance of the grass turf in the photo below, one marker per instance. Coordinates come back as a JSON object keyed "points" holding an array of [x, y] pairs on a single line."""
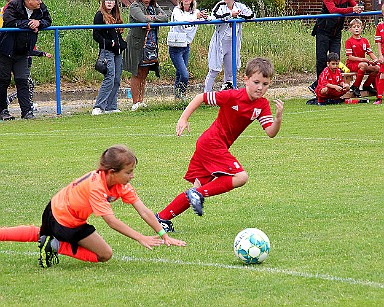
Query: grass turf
{"points": [[316, 190]]}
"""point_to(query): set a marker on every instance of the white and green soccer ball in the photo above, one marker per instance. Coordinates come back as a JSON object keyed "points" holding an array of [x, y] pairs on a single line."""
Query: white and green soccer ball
{"points": [[251, 246]]}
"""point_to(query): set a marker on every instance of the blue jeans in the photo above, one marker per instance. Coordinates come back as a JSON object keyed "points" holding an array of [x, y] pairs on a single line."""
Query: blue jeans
{"points": [[107, 97], [180, 58]]}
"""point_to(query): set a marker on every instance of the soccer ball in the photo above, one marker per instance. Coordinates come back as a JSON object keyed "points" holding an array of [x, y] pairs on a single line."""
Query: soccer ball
{"points": [[251, 246]]}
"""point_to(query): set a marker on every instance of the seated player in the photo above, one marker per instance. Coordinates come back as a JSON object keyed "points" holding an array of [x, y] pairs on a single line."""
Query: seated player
{"points": [[331, 85], [356, 47]]}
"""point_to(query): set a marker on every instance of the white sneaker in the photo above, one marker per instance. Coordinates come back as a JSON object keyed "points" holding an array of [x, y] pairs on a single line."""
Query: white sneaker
{"points": [[112, 111], [97, 111], [135, 106]]}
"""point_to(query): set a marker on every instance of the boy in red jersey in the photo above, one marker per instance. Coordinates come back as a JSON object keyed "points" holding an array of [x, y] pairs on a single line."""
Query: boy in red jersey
{"points": [[379, 40], [331, 85], [356, 47], [213, 170], [64, 227]]}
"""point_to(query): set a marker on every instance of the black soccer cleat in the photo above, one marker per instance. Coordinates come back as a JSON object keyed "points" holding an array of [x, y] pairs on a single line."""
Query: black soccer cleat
{"points": [[166, 224], [196, 200], [355, 91], [49, 247], [227, 86]]}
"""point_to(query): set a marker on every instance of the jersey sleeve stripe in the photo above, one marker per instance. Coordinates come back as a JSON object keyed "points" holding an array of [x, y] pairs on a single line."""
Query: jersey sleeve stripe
{"points": [[263, 120], [211, 98]]}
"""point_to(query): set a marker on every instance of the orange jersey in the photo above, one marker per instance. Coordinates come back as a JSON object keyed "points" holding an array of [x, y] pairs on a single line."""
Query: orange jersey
{"points": [[89, 194]]}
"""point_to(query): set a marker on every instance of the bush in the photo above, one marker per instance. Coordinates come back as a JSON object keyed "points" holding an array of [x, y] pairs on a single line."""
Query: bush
{"points": [[260, 7]]}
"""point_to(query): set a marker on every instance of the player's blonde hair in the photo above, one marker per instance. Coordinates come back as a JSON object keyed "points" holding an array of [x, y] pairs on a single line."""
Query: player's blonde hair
{"points": [[261, 65], [355, 21], [116, 158]]}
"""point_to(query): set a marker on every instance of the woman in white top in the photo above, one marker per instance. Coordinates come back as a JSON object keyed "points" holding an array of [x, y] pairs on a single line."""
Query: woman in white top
{"points": [[185, 11], [220, 47]]}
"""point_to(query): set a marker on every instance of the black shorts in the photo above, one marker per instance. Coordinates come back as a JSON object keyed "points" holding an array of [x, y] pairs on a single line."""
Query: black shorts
{"points": [[50, 227]]}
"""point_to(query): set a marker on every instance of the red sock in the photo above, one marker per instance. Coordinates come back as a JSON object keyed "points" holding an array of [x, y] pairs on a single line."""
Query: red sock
{"points": [[81, 254], [359, 78], [176, 207], [380, 88], [371, 79], [180, 203], [20, 233], [218, 186]]}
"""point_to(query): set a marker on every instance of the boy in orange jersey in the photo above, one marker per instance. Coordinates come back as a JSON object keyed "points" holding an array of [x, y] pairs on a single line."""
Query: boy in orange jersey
{"points": [[330, 84], [356, 47], [64, 227]]}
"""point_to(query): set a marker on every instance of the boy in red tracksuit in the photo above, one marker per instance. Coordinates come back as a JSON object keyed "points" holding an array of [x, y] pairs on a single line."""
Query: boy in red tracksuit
{"points": [[356, 47], [331, 85]]}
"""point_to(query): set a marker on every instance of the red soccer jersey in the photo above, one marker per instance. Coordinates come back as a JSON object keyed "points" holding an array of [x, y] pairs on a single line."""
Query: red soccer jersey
{"points": [[236, 113], [89, 194], [329, 77], [379, 35], [357, 47]]}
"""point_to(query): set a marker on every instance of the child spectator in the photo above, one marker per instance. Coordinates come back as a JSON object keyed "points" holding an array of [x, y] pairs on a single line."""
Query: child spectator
{"points": [[379, 39], [220, 47], [64, 227], [356, 47], [213, 170], [330, 83]]}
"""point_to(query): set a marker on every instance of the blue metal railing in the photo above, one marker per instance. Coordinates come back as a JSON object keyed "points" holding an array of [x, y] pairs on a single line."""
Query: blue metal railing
{"points": [[57, 29]]}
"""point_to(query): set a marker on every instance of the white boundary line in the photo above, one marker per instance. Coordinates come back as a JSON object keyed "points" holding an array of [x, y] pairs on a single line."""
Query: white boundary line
{"points": [[261, 269], [58, 134], [255, 268]]}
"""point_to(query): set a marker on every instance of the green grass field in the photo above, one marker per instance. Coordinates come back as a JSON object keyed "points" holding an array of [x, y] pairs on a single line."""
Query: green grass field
{"points": [[316, 190]]}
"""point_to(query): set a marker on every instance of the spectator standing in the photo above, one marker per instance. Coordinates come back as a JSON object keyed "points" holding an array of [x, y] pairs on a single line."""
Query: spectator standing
{"points": [[220, 46], [111, 44], [141, 11], [15, 47], [186, 10], [328, 32], [331, 85], [356, 47]]}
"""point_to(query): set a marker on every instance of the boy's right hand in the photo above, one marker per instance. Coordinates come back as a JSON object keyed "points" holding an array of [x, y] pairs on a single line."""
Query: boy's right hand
{"points": [[181, 125]]}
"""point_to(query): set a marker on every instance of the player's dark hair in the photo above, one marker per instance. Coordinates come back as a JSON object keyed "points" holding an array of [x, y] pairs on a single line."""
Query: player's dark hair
{"points": [[333, 56], [260, 65], [116, 157]]}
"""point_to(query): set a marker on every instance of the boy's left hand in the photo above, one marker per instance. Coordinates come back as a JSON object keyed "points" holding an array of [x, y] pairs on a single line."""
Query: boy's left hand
{"points": [[279, 108]]}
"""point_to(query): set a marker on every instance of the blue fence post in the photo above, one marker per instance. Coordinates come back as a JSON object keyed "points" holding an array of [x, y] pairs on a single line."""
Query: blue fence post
{"points": [[234, 53], [57, 70]]}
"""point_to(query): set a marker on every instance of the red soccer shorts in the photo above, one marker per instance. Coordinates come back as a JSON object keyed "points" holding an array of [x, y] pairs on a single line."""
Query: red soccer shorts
{"points": [[208, 163]]}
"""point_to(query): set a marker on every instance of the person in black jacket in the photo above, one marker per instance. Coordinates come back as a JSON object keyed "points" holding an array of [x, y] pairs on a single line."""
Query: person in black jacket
{"points": [[328, 31], [111, 45], [15, 47]]}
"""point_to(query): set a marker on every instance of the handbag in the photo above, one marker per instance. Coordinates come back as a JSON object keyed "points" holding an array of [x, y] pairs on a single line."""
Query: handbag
{"points": [[101, 62], [177, 39], [150, 55]]}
